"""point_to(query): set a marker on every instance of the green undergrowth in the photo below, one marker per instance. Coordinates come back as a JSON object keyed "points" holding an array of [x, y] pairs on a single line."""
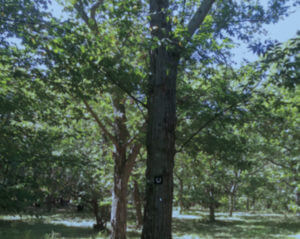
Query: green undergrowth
{"points": [[189, 226]]}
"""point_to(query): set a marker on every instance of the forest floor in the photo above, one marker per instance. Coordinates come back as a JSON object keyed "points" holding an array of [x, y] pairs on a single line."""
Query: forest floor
{"points": [[192, 225]]}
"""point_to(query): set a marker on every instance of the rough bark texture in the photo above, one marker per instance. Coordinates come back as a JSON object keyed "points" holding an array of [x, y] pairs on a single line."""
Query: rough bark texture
{"points": [[161, 129], [164, 60]]}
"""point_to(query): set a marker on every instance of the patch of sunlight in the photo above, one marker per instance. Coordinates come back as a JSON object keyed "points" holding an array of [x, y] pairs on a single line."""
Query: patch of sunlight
{"points": [[176, 214], [294, 236], [81, 223], [16, 217], [247, 214], [187, 237], [230, 219]]}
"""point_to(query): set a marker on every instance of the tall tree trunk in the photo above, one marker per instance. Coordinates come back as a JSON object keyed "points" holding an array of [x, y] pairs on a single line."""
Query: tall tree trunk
{"points": [[164, 60], [122, 171], [119, 204], [161, 129], [138, 204], [124, 157]]}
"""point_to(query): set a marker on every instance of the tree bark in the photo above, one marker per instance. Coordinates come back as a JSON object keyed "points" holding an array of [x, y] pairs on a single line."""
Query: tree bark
{"points": [[138, 204], [124, 162], [164, 60], [161, 129], [212, 212], [119, 204], [100, 224]]}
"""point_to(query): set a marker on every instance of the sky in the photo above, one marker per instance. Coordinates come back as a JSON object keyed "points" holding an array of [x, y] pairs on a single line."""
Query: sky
{"points": [[281, 31]]}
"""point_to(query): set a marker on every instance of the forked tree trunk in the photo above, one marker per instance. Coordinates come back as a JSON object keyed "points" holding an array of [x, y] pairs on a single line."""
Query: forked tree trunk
{"points": [[138, 204], [124, 157]]}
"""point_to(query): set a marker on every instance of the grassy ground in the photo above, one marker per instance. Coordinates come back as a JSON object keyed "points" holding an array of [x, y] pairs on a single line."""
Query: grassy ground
{"points": [[190, 226]]}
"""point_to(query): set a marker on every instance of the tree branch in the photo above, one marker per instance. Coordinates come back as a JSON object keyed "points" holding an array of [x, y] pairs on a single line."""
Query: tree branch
{"points": [[132, 156], [102, 127], [94, 8], [217, 115], [199, 16], [93, 13], [80, 8]]}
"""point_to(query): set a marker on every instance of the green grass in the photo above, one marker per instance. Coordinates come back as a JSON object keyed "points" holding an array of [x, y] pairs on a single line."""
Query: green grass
{"points": [[190, 226]]}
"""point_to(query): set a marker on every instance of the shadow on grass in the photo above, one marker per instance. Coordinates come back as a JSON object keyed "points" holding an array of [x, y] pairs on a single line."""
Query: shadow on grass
{"points": [[17, 229], [263, 228], [35, 230]]}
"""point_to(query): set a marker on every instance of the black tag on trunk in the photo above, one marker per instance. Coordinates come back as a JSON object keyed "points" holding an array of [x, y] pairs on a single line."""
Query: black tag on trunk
{"points": [[158, 180]]}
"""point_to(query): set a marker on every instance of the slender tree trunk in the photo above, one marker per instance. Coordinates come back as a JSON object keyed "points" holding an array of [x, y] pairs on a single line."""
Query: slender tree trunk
{"points": [[248, 204], [253, 203], [99, 222], [212, 212], [232, 204], [122, 171], [180, 196], [298, 198], [119, 205], [161, 129], [124, 157], [138, 204]]}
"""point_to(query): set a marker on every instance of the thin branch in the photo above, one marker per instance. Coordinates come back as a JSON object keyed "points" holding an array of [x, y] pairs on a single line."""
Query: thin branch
{"points": [[93, 13], [208, 122], [126, 91], [199, 16], [280, 164], [100, 124], [80, 8]]}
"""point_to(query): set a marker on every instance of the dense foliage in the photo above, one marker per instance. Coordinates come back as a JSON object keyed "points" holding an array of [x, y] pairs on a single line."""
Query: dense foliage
{"points": [[75, 94]]}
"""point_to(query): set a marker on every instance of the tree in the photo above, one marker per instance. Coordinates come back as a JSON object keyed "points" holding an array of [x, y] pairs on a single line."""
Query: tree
{"points": [[164, 63], [100, 49], [90, 72]]}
